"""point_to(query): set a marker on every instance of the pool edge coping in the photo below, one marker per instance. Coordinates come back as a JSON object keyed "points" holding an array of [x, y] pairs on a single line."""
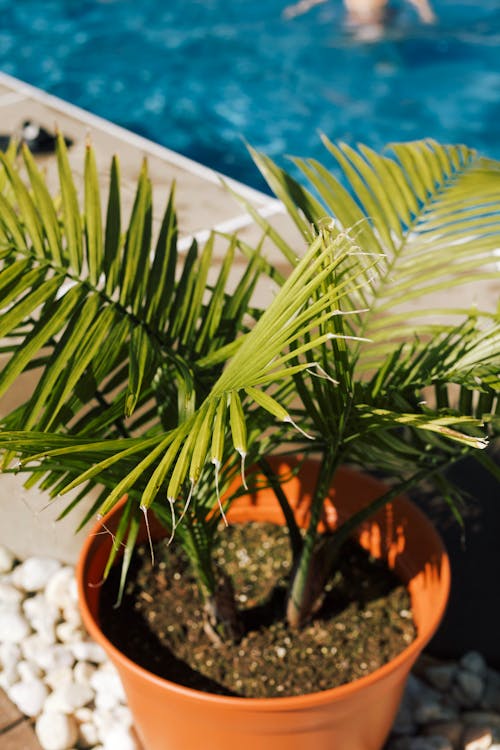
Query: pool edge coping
{"points": [[27, 90]]}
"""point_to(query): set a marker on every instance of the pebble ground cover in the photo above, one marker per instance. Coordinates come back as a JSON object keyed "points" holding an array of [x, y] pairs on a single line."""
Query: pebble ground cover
{"points": [[50, 668]]}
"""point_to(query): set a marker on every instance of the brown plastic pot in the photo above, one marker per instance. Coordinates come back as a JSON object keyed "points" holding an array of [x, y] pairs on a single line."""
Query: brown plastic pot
{"points": [[356, 716]]}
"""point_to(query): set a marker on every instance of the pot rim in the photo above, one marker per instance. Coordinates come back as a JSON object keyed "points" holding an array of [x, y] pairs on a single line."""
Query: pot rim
{"points": [[290, 703]]}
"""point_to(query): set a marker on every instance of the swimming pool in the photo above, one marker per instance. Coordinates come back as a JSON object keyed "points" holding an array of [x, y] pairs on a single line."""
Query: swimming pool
{"points": [[200, 75]]}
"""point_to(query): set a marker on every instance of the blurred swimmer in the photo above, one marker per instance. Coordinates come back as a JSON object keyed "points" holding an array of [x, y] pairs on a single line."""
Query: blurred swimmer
{"points": [[368, 12], [363, 12]]}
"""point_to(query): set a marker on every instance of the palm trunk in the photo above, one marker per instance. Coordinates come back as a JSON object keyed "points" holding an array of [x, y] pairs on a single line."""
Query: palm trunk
{"points": [[312, 572], [223, 622]]}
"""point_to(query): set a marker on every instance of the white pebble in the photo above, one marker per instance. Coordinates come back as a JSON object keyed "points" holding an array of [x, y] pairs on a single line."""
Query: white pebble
{"points": [[123, 715], [104, 719], [471, 685], [441, 676], [88, 651], [32, 646], [106, 701], [58, 656], [67, 632], [108, 686], [84, 714], [418, 691], [475, 738], [428, 712], [10, 597], [71, 614], [87, 734], [69, 697], [34, 573], [83, 671], [59, 676], [14, 628], [28, 670], [42, 616], [119, 738], [404, 722], [474, 662], [56, 731], [60, 588], [6, 559], [10, 654], [29, 697], [50, 656], [8, 677], [38, 608]]}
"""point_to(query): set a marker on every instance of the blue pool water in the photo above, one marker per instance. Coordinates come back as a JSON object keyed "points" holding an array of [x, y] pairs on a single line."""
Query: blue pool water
{"points": [[200, 76]]}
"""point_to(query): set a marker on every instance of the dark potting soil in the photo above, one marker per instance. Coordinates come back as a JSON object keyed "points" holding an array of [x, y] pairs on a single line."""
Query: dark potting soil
{"points": [[365, 620]]}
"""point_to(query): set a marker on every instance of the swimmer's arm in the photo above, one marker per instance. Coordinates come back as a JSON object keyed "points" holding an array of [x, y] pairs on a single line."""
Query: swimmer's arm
{"points": [[298, 9], [425, 11]]}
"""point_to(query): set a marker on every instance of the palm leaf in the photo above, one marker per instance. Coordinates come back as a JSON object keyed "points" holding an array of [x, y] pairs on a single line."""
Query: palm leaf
{"points": [[93, 218], [52, 296], [114, 330], [258, 361], [70, 209], [113, 244], [428, 216], [132, 283], [429, 212]]}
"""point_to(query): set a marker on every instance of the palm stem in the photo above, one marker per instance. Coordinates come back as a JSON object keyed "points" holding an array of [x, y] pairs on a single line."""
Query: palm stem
{"points": [[303, 594], [296, 542]]}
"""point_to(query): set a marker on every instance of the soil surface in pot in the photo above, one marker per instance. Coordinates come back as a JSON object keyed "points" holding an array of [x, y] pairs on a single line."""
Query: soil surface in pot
{"points": [[365, 620]]}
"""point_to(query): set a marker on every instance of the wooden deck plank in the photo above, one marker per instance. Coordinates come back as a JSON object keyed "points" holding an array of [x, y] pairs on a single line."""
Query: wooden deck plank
{"points": [[20, 737], [9, 714], [16, 731]]}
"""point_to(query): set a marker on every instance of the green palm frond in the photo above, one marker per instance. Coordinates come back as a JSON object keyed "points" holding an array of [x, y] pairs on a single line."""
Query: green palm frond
{"points": [[128, 332], [444, 425], [425, 218], [218, 426], [100, 309], [428, 212], [69, 286]]}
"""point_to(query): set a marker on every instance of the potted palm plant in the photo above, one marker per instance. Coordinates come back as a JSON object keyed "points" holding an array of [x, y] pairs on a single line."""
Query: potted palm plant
{"points": [[167, 386]]}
